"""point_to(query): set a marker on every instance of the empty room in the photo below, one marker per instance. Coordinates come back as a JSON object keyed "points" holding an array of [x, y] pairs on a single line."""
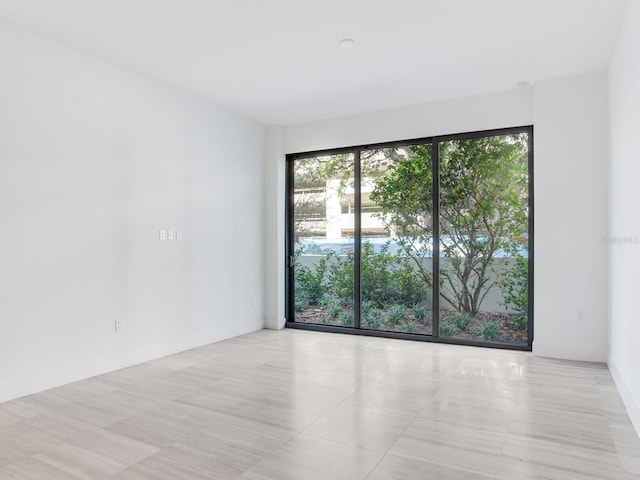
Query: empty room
{"points": [[298, 240]]}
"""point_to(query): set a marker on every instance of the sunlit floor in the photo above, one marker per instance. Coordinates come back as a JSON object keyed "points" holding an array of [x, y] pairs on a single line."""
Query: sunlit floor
{"points": [[306, 405]]}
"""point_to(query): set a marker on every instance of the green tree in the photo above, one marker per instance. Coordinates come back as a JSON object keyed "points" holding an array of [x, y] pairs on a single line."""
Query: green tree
{"points": [[310, 177], [483, 202]]}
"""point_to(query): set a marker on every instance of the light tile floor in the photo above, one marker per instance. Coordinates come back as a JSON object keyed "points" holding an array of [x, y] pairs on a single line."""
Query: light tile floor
{"points": [[313, 406]]}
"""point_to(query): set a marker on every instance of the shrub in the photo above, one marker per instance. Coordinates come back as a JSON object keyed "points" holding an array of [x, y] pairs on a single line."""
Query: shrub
{"points": [[520, 321], [386, 279], [366, 308], [514, 284], [395, 313], [410, 289], [420, 312], [490, 330], [346, 319], [447, 329], [310, 283], [410, 327], [372, 319], [340, 277], [462, 321], [377, 275], [333, 306]]}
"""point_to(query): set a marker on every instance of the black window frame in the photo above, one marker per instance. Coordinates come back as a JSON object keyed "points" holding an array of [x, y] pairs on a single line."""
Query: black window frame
{"points": [[435, 142]]}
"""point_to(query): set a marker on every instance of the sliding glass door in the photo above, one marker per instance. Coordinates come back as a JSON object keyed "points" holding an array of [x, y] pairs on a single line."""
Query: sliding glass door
{"points": [[397, 239], [322, 225], [424, 239], [484, 219]]}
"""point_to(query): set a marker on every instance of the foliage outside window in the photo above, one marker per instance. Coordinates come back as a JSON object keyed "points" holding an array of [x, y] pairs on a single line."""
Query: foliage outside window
{"points": [[483, 220]]}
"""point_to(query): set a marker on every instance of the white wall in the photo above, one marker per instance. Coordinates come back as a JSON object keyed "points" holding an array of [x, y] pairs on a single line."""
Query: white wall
{"points": [[95, 160], [571, 217], [624, 354], [274, 238], [570, 133], [509, 109]]}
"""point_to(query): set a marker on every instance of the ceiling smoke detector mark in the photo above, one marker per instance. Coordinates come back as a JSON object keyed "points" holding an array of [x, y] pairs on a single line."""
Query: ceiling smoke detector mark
{"points": [[347, 43], [523, 84]]}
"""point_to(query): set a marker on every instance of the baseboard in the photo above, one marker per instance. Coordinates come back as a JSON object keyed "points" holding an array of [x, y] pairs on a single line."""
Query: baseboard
{"points": [[86, 369], [570, 352], [632, 404]]}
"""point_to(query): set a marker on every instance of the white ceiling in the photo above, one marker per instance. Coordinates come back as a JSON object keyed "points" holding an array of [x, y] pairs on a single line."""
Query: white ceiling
{"points": [[278, 61]]}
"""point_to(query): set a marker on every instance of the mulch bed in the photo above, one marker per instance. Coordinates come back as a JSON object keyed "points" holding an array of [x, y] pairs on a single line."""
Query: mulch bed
{"points": [[508, 333]]}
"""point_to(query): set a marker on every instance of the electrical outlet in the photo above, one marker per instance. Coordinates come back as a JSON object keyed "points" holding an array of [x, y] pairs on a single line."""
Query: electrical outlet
{"points": [[171, 235], [178, 234], [163, 234], [580, 316], [118, 326]]}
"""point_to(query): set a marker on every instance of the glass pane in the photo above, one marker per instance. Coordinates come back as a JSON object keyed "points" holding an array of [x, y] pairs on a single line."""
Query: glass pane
{"points": [[323, 224], [484, 239], [397, 239]]}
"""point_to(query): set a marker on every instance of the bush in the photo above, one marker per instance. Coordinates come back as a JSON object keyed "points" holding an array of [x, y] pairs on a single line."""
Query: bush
{"points": [[299, 303], [346, 319], [410, 327], [420, 312], [490, 330], [395, 313], [340, 277], [366, 308], [386, 279], [332, 305], [462, 321], [310, 283], [520, 321], [410, 289], [447, 329], [372, 319], [514, 284]]}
